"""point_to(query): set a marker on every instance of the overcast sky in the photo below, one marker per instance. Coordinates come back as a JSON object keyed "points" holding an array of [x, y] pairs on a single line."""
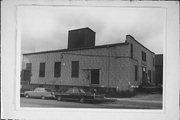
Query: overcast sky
{"points": [[46, 27]]}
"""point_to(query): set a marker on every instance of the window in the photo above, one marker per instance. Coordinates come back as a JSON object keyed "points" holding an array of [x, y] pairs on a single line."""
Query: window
{"points": [[131, 50], [57, 69], [75, 69], [136, 73], [143, 56], [28, 66], [42, 70]]}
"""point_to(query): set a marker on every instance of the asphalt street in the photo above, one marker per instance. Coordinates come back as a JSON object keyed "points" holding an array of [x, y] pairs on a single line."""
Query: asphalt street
{"points": [[116, 104]]}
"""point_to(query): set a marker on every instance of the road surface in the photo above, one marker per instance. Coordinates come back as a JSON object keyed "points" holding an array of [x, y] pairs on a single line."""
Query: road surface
{"points": [[117, 104]]}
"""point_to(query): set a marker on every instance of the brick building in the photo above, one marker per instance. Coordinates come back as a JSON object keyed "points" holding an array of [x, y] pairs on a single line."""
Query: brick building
{"points": [[118, 66]]}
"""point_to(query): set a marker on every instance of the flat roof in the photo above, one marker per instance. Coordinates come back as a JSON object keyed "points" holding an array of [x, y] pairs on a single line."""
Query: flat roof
{"points": [[85, 28], [85, 48], [76, 49]]}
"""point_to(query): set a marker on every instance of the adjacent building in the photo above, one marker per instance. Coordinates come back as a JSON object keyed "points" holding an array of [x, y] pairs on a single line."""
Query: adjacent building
{"points": [[159, 69], [118, 66]]}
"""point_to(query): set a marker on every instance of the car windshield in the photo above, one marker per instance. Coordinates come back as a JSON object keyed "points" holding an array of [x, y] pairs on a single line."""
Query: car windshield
{"points": [[76, 90], [85, 91], [69, 90], [82, 91]]}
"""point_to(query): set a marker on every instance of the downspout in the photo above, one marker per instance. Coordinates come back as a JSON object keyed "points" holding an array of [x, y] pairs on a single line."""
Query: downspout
{"points": [[108, 65]]}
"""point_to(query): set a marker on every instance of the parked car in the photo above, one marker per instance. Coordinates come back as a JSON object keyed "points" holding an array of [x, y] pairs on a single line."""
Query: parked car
{"points": [[42, 93], [78, 94], [24, 87], [22, 90]]}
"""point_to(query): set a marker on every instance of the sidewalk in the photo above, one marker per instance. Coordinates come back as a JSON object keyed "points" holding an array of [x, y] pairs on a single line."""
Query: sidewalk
{"points": [[149, 98], [136, 100]]}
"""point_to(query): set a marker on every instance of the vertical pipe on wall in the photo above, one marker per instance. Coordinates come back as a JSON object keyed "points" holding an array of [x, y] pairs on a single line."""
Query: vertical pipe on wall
{"points": [[108, 65]]}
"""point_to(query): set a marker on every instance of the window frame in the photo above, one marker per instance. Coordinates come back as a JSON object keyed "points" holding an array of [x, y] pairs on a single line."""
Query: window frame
{"points": [[75, 69], [143, 54], [42, 70], [57, 69], [96, 72], [131, 48], [136, 73]]}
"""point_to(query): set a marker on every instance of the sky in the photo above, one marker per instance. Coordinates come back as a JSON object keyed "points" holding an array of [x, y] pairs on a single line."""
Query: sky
{"points": [[46, 28]]}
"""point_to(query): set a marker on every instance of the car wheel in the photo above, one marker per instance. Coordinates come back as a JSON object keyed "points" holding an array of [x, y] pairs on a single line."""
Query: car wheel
{"points": [[27, 96], [42, 97], [81, 100], [59, 98]]}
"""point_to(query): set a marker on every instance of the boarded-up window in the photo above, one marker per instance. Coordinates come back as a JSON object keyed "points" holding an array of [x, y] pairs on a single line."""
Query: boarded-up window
{"points": [[136, 73], [57, 69], [28, 66], [131, 50], [75, 69], [143, 56], [42, 70]]}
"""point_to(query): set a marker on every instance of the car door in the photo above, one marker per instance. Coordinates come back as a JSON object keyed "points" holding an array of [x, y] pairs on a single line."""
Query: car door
{"points": [[35, 92], [41, 92]]}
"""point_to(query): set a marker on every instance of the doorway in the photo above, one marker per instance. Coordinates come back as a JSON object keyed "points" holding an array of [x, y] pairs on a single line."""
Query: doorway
{"points": [[94, 76], [144, 75]]}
